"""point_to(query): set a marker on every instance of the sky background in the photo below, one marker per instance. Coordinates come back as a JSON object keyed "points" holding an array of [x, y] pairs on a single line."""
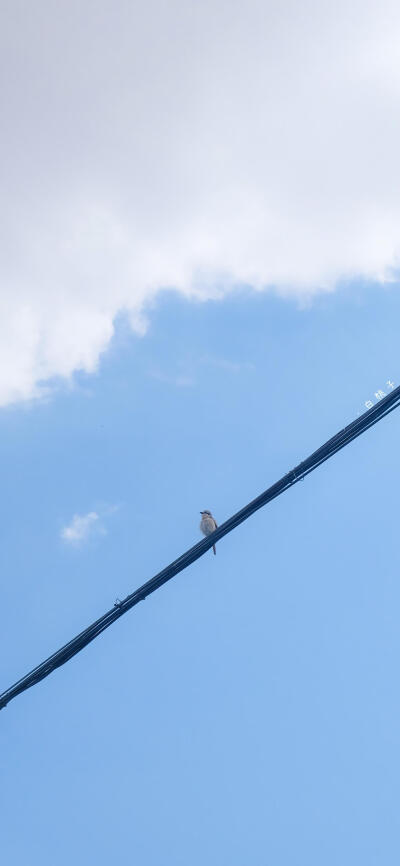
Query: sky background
{"points": [[193, 147], [199, 285], [249, 710]]}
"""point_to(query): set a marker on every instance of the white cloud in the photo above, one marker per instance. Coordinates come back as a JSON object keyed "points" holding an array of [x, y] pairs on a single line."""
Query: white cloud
{"points": [[81, 526], [179, 380], [228, 365], [186, 146]]}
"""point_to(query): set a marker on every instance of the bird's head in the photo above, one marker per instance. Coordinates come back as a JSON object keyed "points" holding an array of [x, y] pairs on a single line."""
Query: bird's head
{"points": [[208, 513]]}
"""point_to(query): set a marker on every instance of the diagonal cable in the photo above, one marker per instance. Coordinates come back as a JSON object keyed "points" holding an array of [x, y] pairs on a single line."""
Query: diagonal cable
{"points": [[386, 405]]}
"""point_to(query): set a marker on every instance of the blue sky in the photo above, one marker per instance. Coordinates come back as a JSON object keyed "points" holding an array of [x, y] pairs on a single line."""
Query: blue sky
{"points": [[248, 711], [199, 285]]}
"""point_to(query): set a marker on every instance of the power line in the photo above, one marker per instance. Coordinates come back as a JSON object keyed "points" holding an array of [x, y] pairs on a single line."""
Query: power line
{"points": [[340, 440]]}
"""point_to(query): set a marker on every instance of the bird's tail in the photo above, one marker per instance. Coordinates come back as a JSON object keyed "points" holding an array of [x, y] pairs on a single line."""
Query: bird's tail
{"points": [[214, 549]]}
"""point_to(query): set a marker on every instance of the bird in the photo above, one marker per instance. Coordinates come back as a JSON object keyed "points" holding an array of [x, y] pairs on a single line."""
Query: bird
{"points": [[207, 524]]}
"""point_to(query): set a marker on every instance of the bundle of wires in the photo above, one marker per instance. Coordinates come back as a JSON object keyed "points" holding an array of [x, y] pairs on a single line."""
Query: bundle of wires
{"points": [[386, 405]]}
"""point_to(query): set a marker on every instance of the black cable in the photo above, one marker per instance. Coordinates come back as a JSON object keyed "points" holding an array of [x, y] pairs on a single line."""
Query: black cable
{"points": [[386, 405]]}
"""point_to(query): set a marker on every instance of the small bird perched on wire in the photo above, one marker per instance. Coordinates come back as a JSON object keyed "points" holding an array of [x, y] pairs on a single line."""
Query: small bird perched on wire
{"points": [[208, 524]]}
